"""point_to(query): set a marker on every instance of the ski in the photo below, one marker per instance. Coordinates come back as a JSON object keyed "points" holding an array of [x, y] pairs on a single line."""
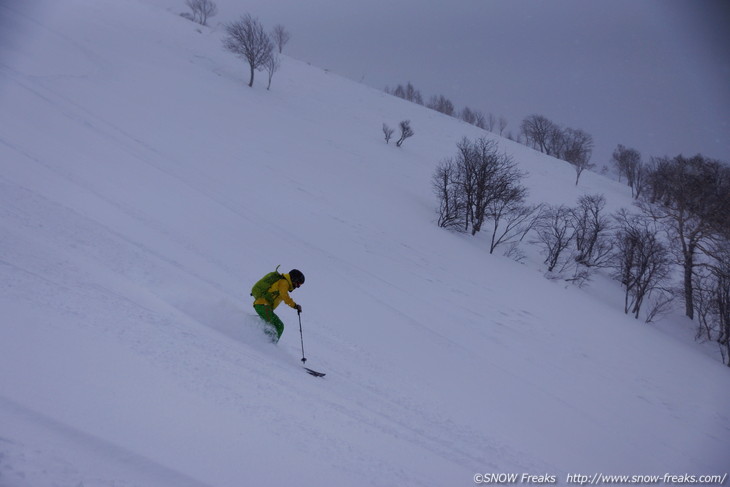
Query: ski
{"points": [[314, 372]]}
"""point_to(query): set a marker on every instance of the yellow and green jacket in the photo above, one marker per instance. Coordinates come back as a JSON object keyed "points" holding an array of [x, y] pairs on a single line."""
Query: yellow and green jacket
{"points": [[280, 292]]}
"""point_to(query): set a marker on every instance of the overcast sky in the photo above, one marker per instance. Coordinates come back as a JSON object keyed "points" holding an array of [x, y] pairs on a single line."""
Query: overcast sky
{"points": [[650, 74]]}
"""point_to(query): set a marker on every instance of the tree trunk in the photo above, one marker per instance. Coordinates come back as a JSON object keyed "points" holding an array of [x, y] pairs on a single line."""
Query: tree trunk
{"points": [[688, 286]]}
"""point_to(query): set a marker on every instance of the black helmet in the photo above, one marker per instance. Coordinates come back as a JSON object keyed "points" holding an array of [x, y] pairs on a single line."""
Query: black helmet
{"points": [[296, 277]]}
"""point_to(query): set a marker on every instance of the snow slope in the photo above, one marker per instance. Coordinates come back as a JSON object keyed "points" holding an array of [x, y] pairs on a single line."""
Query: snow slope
{"points": [[144, 188]]}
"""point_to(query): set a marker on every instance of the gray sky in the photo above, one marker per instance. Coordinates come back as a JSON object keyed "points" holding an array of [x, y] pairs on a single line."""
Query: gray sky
{"points": [[650, 74]]}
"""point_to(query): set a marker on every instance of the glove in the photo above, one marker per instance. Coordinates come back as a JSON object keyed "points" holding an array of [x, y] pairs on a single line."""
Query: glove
{"points": [[299, 308]]}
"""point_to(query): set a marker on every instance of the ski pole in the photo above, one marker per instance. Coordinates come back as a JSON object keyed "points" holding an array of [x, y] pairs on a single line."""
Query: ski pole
{"points": [[301, 335]]}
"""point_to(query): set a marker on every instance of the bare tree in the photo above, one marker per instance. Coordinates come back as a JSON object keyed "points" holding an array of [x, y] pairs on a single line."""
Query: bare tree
{"points": [[642, 262], [592, 228], [412, 94], [399, 91], [480, 120], [280, 36], [704, 285], [486, 176], [555, 233], [722, 299], [491, 122], [248, 40], [511, 219], [577, 148], [441, 104], [639, 179], [405, 132], [628, 162], [202, 9], [447, 188], [479, 163], [712, 298], [572, 145], [692, 202], [468, 115], [555, 143], [481, 184], [272, 65], [388, 132], [502, 124], [537, 131], [477, 118], [408, 92], [660, 303], [624, 158]]}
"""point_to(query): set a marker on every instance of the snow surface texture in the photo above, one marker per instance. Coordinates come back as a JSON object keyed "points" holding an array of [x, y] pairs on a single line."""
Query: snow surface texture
{"points": [[145, 187]]}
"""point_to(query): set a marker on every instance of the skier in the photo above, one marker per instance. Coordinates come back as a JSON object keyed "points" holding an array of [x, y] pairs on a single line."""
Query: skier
{"points": [[271, 290]]}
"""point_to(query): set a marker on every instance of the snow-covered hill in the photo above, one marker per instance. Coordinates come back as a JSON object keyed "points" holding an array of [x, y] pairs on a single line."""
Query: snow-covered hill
{"points": [[145, 187]]}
